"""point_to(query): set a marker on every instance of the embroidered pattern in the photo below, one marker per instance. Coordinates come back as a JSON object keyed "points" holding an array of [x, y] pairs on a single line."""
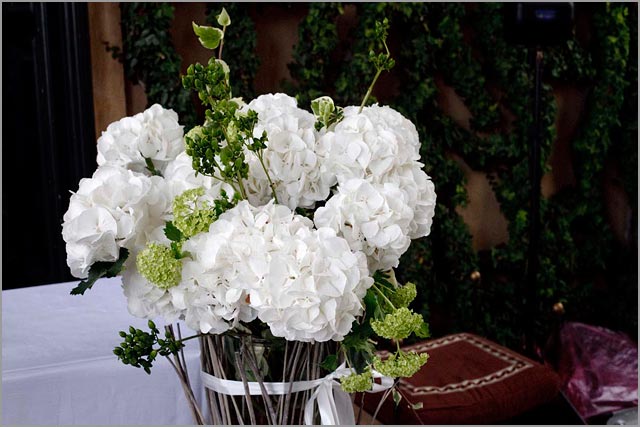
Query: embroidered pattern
{"points": [[516, 365]]}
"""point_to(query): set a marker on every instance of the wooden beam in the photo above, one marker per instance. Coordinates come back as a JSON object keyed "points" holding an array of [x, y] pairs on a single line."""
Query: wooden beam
{"points": [[109, 99]]}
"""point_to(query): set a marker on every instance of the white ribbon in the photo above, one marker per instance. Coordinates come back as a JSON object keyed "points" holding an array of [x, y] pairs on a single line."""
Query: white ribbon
{"points": [[334, 404]]}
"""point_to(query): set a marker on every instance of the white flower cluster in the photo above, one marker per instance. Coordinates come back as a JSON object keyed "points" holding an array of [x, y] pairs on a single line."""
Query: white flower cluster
{"points": [[374, 218], [290, 157], [114, 208], [154, 134], [384, 199], [258, 260], [123, 204]]}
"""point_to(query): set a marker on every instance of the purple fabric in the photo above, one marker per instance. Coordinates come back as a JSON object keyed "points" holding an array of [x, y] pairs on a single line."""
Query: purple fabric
{"points": [[598, 368]]}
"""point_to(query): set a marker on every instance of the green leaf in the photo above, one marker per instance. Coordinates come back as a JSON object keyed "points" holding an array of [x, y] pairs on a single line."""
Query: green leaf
{"points": [[417, 406], [372, 305], [223, 19], [101, 269], [209, 36], [176, 250], [151, 167], [172, 232], [358, 346], [330, 363], [381, 278], [396, 397], [423, 332]]}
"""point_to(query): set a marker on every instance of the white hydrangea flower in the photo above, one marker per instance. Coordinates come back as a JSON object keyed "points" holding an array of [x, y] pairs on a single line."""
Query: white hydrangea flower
{"points": [[368, 144], [290, 156], [421, 196], [191, 300], [373, 218], [146, 300], [313, 288], [112, 209], [220, 276], [90, 237], [199, 299], [207, 307], [231, 259], [154, 134]]}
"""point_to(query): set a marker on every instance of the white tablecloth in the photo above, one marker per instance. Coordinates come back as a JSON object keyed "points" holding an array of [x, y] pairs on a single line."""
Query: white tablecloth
{"points": [[58, 366]]}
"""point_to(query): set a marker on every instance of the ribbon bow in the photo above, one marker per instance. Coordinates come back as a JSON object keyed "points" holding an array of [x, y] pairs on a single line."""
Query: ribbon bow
{"points": [[334, 404]]}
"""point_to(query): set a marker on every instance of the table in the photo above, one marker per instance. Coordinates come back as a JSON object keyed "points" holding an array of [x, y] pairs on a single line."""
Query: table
{"points": [[58, 366]]}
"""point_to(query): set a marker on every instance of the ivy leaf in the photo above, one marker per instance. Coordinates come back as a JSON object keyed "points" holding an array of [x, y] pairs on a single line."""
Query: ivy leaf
{"points": [[223, 19], [101, 269], [209, 36], [330, 363], [172, 232]]}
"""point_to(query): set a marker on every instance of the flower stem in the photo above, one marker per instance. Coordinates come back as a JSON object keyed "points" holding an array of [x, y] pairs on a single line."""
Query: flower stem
{"points": [[373, 83], [190, 338], [224, 28], [383, 296], [273, 187], [243, 192]]}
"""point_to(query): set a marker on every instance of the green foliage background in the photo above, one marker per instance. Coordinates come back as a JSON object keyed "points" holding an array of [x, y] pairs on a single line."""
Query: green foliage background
{"points": [[149, 57], [581, 263]]}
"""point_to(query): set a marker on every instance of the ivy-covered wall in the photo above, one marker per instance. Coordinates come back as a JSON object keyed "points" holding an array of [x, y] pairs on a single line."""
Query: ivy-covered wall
{"points": [[584, 263]]}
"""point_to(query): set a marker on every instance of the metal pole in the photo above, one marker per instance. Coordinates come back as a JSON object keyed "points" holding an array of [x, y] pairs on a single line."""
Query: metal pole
{"points": [[534, 213]]}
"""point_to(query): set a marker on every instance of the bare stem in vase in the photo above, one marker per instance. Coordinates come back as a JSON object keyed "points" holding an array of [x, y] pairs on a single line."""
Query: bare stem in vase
{"points": [[297, 350], [243, 376], [218, 371], [256, 372], [205, 360]]}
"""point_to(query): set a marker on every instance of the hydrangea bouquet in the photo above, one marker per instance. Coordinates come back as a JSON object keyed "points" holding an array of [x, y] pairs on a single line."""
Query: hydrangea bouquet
{"points": [[271, 231]]}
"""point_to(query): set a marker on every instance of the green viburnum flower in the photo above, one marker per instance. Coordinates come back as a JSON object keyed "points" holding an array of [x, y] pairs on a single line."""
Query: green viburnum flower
{"points": [[157, 264], [398, 325], [357, 382], [404, 295], [400, 364], [192, 215]]}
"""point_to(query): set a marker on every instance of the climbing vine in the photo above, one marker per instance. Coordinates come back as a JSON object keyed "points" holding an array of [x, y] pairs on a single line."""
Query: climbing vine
{"points": [[313, 66]]}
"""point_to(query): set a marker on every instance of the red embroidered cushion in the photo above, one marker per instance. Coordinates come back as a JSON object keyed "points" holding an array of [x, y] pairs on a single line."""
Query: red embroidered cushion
{"points": [[468, 380]]}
